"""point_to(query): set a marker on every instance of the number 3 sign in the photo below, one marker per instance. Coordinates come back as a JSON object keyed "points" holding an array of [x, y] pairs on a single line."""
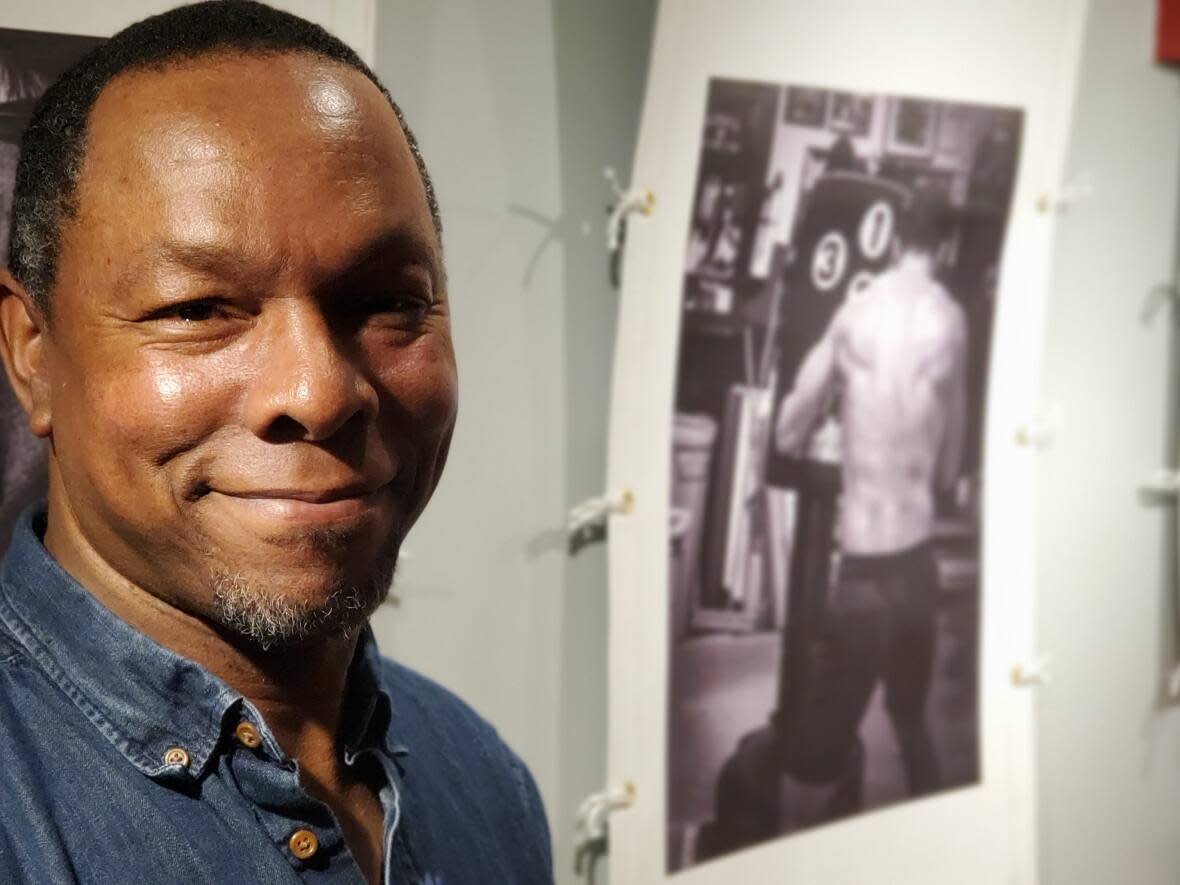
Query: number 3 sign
{"points": [[829, 261]]}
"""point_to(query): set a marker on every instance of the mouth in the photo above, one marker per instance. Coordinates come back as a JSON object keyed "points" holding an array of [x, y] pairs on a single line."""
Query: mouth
{"points": [[295, 506]]}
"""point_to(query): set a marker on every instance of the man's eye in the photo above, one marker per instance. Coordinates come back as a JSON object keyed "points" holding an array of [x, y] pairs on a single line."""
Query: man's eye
{"points": [[401, 305], [195, 313], [191, 312]]}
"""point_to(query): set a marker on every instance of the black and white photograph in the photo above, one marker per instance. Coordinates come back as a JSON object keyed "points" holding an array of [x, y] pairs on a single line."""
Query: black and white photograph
{"points": [[29, 62], [825, 528]]}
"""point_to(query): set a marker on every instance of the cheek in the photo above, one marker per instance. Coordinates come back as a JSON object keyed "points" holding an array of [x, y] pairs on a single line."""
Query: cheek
{"points": [[153, 409], [422, 388]]}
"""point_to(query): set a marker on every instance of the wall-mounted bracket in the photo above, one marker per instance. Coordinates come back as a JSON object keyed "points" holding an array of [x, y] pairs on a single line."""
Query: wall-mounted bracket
{"points": [[1157, 297], [1164, 483], [590, 824], [591, 515], [626, 201], [1076, 190], [1029, 673], [1040, 430], [1174, 683]]}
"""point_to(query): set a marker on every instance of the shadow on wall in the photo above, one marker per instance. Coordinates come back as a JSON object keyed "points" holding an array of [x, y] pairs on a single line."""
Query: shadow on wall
{"points": [[602, 51], [1169, 620]]}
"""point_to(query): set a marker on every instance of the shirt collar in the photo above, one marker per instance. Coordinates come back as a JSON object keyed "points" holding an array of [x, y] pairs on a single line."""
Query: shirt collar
{"points": [[367, 713], [144, 698]]}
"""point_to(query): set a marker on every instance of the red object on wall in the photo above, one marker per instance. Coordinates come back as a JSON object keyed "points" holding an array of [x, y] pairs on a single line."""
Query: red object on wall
{"points": [[1167, 32]]}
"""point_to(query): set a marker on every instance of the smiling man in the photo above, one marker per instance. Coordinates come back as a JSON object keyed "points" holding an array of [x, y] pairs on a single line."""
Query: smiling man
{"points": [[227, 314]]}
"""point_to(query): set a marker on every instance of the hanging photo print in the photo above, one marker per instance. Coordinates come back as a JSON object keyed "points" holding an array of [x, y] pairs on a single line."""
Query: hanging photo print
{"points": [[837, 305]]}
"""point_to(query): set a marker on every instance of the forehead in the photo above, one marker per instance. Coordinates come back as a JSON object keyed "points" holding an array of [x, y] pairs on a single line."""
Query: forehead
{"points": [[265, 145]]}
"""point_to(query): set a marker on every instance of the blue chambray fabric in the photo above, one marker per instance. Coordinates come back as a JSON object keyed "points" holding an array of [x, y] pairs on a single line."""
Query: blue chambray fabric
{"points": [[89, 707]]}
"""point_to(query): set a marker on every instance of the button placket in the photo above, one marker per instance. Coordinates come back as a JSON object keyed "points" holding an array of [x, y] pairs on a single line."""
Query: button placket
{"points": [[301, 828], [399, 862]]}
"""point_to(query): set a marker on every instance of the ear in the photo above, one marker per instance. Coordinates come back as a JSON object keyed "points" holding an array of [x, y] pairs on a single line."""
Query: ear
{"points": [[22, 330]]}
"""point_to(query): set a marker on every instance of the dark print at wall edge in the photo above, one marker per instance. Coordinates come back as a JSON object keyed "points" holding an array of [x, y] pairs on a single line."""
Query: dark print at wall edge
{"points": [[29, 62]]}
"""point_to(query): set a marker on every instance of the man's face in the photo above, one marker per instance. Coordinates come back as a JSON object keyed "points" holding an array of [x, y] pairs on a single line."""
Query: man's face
{"points": [[249, 368]]}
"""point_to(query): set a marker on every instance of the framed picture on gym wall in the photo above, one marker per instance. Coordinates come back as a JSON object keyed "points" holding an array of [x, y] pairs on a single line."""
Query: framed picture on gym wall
{"points": [[29, 62], [912, 126], [848, 112], [837, 302]]}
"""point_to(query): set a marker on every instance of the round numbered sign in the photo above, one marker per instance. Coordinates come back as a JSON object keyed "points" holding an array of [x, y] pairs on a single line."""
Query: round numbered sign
{"points": [[876, 230], [829, 261]]}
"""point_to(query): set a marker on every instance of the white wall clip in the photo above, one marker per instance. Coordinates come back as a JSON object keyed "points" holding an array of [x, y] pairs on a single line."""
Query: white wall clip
{"points": [[1034, 672], [1164, 483], [1039, 431], [590, 824], [1074, 191], [1174, 683], [626, 201], [1157, 297], [593, 512]]}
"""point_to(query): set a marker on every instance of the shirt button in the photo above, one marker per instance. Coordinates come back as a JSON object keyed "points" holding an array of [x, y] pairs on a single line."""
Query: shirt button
{"points": [[176, 756], [247, 735], [303, 844]]}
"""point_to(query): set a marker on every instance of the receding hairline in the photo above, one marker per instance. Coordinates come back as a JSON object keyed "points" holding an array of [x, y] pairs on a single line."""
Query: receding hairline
{"points": [[126, 78], [54, 145], [374, 99], [231, 52]]}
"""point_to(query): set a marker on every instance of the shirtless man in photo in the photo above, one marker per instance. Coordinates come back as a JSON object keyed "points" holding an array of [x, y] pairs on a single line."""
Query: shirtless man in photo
{"points": [[892, 363]]}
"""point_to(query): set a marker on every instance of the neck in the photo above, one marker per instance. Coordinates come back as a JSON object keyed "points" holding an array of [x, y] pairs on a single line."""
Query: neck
{"points": [[299, 691]]}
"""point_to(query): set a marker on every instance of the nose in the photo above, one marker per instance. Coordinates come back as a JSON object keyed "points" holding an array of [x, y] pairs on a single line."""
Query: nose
{"points": [[307, 385]]}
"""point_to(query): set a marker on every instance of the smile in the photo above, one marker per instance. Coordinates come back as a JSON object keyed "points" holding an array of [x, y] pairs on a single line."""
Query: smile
{"points": [[307, 506]]}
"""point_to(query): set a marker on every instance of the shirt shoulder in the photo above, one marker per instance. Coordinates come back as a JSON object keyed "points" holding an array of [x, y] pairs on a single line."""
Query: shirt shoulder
{"points": [[425, 714], [462, 777], [434, 705], [38, 727]]}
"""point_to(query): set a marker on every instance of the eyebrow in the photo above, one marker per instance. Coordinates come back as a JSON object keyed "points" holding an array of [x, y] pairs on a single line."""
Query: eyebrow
{"points": [[403, 247]]}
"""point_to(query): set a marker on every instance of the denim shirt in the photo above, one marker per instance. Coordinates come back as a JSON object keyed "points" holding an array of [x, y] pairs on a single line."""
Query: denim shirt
{"points": [[121, 762]]}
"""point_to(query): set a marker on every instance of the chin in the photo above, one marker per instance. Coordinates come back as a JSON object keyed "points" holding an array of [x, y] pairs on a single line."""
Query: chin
{"points": [[292, 606]]}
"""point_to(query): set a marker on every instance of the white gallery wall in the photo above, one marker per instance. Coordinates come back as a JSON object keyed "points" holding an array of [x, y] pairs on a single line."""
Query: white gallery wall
{"points": [[1108, 740], [1080, 772], [1006, 53], [518, 105]]}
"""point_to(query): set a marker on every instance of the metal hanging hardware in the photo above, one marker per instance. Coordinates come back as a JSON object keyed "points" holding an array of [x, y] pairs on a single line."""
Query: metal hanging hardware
{"points": [[625, 202], [593, 512], [1040, 430], [1077, 190], [1030, 673], [590, 824], [1164, 483]]}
